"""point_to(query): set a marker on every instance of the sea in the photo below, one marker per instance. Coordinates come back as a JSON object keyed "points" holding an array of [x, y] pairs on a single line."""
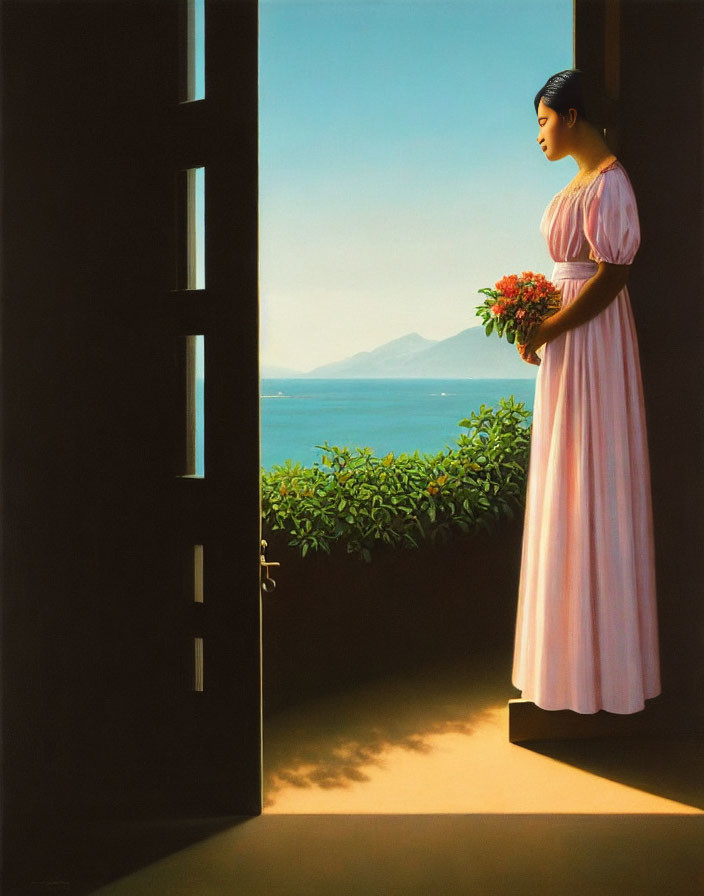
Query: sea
{"points": [[402, 416]]}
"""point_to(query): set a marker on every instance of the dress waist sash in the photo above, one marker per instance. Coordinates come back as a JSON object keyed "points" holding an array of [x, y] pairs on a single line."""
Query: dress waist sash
{"points": [[574, 270]]}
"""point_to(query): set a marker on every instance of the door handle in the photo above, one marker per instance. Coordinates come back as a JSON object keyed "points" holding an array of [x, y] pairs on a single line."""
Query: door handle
{"points": [[268, 584]]}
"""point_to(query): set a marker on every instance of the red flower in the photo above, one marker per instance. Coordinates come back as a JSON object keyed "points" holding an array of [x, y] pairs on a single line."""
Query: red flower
{"points": [[526, 300]]}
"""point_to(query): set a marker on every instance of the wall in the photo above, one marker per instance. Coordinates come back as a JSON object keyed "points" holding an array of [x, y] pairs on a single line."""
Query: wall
{"points": [[660, 115]]}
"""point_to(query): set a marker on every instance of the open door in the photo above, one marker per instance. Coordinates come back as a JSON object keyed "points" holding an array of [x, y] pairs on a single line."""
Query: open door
{"points": [[131, 603], [211, 314]]}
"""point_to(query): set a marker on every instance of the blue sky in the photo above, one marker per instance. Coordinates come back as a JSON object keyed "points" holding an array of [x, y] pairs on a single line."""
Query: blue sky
{"points": [[399, 168]]}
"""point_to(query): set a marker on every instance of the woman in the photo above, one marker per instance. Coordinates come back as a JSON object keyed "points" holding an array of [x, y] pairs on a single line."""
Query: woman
{"points": [[586, 631]]}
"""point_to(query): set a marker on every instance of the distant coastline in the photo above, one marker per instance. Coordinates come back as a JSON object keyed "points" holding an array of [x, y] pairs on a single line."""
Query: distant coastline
{"points": [[469, 354]]}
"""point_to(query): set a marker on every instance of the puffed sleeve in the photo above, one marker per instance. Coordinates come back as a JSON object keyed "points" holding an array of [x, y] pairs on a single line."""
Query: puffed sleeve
{"points": [[611, 223]]}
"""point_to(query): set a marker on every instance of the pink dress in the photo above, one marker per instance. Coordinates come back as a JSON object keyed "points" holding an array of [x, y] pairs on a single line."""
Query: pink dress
{"points": [[586, 629]]}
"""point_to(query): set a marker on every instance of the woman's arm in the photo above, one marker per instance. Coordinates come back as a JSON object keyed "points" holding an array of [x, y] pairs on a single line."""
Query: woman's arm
{"points": [[596, 294]]}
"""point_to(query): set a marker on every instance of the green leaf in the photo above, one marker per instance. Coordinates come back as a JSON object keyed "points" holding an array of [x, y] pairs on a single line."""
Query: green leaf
{"points": [[324, 506]]}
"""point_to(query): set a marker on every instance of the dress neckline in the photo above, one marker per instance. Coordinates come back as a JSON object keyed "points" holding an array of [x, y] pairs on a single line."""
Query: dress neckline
{"points": [[576, 188]]}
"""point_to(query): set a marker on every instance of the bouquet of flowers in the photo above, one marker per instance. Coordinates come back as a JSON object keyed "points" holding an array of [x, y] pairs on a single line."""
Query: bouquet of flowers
{"points": [[518, 304]]}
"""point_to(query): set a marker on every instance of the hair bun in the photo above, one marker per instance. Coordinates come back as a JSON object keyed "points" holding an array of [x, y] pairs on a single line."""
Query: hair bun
{"points": [[565, 90]]}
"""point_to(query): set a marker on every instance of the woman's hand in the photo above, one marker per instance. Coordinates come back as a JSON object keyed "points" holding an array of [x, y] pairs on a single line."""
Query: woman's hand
{"points": [[528, 354], [536, 338]]}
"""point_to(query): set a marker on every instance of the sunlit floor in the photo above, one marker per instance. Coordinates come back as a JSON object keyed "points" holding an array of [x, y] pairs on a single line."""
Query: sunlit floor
{"points": [[437, 742], [409, 787]]}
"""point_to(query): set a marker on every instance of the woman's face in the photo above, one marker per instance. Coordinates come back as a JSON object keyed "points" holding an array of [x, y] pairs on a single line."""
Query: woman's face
{"points": [[554, 133]]}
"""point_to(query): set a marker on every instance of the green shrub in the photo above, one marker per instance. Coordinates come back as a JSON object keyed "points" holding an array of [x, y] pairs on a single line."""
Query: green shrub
{"points": [[356, 499]]}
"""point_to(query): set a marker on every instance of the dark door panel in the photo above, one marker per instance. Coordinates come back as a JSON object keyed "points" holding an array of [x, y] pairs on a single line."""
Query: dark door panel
{"points": [[101, 715]]}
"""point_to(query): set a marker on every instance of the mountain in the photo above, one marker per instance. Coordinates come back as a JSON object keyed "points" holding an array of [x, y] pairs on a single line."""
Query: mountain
{"points": [[470, 354], [393, 355]]}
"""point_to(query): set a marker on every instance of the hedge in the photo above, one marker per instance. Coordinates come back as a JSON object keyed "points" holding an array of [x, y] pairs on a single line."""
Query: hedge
{"points": [[355, 499]]}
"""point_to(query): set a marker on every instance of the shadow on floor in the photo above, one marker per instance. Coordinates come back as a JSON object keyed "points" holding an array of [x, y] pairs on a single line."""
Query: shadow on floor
{"points": [[670, 767], [337, 741], [431, 855], [80, 856], [328, 742]]}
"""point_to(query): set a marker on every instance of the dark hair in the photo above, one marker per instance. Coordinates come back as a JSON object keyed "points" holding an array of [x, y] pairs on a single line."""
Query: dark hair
{"points": [[564, 91]]}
